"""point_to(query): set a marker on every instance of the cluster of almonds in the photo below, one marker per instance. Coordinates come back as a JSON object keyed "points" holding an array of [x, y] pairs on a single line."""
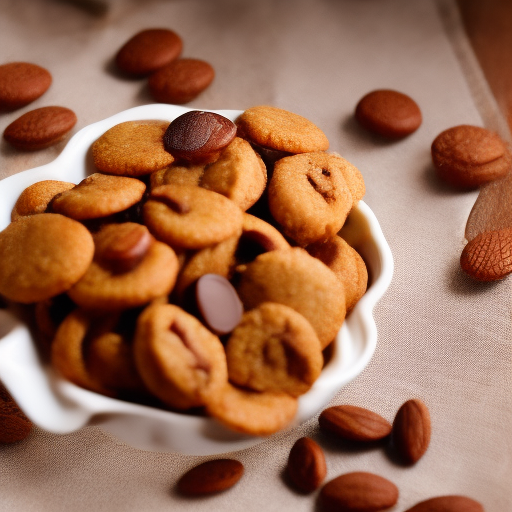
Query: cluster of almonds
{"points": [[409, 437], [465, 157], [22, 83], [152, 281], [153, 53]]}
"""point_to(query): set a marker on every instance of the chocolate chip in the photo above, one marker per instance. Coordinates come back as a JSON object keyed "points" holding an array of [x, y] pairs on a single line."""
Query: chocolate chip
{"points": [[218, 303], [198, 136]]}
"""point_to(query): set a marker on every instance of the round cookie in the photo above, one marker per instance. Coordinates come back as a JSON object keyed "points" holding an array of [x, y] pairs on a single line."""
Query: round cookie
{"points": [[281, 130], [251, 412], [294, 278], [35, 198], [346, 263], [127, 271], [389, 113], [274, 348], [177, 175], [99, 195], [132, 148], [148, 50], [239, 174], [21, 83], [309, 196], [181, 81], [191, 217], [42, 256], [179, 360], [67, 351], [468, 156]]}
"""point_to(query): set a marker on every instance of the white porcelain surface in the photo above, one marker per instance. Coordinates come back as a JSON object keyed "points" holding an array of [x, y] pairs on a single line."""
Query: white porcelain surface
{"points": [[59, 406]]}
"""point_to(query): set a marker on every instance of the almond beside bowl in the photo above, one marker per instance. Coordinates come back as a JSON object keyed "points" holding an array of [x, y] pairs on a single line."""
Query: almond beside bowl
{"points": [[59, 406]]}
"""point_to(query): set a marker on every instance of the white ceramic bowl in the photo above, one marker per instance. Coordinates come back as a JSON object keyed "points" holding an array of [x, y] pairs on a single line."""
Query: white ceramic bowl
{"points": [[59, 406]]}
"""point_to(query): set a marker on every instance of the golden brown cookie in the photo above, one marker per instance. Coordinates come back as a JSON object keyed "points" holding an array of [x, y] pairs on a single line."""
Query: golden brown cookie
{"points": [[346, 263], [99, 195], [309, 196], [177, 175], [275, 349], [191, 217], [42, 256], [294, 278], [35, 198], [67, 351], [49, 314], [216, 259], [130, 269], [239, 174], [179, 360], [281, 130], [132, 148], [251, 412]]}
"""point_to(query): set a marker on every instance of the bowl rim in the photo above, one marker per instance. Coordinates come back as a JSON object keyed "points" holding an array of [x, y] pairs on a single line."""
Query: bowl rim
{"points": [[71, 407]]}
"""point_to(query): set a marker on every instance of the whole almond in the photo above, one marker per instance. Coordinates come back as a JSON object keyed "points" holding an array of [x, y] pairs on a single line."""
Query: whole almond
{"points": [[358, 492], [447, 504], [180, 81], [148, 50], [40, 128], [198, 136], [210, 477], [354, 423], [411, 431], [488, 256], [306, 467], [21, 83], [468, 156]]}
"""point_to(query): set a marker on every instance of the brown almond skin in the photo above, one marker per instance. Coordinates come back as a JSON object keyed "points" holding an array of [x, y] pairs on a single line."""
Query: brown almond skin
{"points": [[306, 467], [21, 83], [358, 492], [40, 128], [211, 477], [198, 136], [466, 156], [411, 431], [181, 81], [147, 51], [354, 423], [487, 257], [447, 504], [388, 113], [14, 425]]}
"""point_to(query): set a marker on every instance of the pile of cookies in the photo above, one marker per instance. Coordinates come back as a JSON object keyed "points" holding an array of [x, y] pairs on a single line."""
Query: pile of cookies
{"points": [[198, 269]]}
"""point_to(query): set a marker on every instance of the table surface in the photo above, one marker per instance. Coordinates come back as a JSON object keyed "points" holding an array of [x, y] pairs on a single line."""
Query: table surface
{"points": [[441, 337]]}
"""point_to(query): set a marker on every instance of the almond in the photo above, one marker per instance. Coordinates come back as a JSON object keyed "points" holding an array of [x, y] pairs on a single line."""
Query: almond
{"points": [[358, 492], [198, 136], [488, 256], [306, 467], [447, 504], [14, 425], [210, 477], [40, 128], [354, 423], [411, 431]]}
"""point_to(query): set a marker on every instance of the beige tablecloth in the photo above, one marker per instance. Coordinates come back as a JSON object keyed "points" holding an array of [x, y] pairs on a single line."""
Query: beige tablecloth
{"points": [[441, 337]]}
